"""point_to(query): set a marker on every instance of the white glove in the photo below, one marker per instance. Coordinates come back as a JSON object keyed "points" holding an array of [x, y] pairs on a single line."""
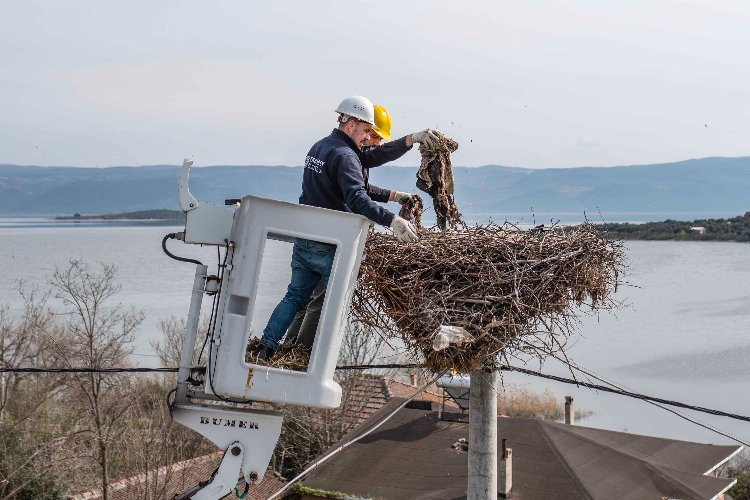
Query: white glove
{"points": [[427, 137], [399, 196], [403, 230]]}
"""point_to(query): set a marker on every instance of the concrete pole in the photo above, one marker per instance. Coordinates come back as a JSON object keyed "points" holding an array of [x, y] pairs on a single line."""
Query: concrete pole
{"points": [[482, 436], [570, 415]]}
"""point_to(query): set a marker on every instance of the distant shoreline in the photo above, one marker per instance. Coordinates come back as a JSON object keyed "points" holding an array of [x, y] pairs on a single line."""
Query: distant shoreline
{"points": [[141, 215], [732, 229]]}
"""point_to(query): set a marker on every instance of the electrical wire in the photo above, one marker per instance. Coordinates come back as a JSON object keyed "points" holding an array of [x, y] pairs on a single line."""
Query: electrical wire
{"points": [[212, 330], [176, 257], [603, 388], [623, 392], [369, 367], [616, 385], [86, 370]]}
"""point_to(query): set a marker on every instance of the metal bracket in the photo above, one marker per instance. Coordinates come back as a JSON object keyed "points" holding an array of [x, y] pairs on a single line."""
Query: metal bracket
{"points": [[187, 201], [205, 224], [223, 480]]}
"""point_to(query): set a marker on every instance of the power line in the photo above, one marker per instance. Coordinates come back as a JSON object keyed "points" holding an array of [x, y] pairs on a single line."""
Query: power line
{"points": [[692, 420], [623, 392], [556, 378], [86, 370]]}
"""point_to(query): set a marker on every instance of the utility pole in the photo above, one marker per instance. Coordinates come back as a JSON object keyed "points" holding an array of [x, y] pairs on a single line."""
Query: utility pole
{"points": [[482, 436]]}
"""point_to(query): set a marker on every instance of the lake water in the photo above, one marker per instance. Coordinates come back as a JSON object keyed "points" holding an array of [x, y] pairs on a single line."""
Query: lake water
{"points": [[685, 335]]}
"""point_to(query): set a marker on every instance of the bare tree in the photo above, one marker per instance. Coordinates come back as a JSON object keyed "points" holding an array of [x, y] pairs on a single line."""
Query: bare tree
{"points": [[20, 348], [154, 442], [307, 432], [96, 336], [169, 348], [24, 457]]}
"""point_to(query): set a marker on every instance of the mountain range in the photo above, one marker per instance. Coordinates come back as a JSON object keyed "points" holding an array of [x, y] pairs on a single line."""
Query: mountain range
{"points": [[711, 186]]}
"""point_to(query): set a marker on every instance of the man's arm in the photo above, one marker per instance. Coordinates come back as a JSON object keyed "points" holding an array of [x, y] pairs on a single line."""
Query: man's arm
{"points": [[379, 194], [387, 152], [352, 185]]}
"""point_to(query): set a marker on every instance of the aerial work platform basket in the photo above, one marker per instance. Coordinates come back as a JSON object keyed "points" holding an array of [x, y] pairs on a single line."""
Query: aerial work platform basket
{"points": [[221, 407], [256, 221]]}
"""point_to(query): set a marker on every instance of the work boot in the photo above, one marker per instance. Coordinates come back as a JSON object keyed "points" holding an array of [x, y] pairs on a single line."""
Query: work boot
{"points": [[262, 353]]}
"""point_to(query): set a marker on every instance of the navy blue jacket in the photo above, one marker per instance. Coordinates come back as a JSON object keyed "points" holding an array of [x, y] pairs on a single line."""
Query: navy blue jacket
{"points": [[333, 176]]}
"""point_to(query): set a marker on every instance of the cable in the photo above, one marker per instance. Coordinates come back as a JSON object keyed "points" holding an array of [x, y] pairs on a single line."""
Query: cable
{"points": [[355, 439], [368, 367], [525, 371], [631, 394], [211, 368], [215, 305], [86, 370], [693, 420], [175, 257]]}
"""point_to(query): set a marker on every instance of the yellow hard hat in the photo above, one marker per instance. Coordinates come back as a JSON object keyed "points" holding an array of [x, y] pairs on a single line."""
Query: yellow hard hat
{"points": [[382, 123]]}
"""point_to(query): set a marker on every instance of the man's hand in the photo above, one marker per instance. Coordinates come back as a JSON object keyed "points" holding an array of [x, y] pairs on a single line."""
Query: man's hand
{"points": [[427, 137], [399, 196], [403, 230]]}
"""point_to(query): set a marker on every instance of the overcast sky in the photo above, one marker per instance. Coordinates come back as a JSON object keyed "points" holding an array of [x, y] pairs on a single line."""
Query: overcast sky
{"points": [[529, 84]]}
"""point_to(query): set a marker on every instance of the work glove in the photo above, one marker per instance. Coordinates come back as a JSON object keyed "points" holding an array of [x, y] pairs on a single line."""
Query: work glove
{"points": [[403, 230], [427, 137], [399, 196]]}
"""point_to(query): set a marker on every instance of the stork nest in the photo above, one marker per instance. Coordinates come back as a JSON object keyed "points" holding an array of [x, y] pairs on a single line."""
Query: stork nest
{"points": [[513, 291]]}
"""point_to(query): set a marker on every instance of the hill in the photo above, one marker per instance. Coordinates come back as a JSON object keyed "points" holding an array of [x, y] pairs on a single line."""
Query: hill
{"points": [[732, 229], [686, 190]]}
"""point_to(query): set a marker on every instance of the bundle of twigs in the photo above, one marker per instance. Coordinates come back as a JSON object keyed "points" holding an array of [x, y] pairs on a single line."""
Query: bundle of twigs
{"points": [[511, 290], [412, 209], [290, 356], [435, 177]]}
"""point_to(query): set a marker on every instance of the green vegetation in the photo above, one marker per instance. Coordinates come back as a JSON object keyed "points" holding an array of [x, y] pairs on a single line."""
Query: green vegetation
{"points": [[739, 469], [159, 214], [298, 490], [734, 229]]}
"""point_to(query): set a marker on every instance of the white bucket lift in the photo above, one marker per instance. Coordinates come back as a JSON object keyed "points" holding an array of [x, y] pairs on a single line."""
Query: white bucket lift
{"points": [[247, 434]]}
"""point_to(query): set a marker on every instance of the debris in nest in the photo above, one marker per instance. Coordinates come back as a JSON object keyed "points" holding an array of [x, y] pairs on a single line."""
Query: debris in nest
{"points": [[513, 291], [412, 210], [447, 335], [461, 445], [435, 177], [289, 356]]}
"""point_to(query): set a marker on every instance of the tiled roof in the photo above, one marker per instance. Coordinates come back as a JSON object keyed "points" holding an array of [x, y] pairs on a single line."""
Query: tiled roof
{"points": [[173, 479], [411, 456]]}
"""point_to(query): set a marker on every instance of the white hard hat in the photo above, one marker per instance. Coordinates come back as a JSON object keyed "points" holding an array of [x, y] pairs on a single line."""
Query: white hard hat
{"points": [[359, 107]]}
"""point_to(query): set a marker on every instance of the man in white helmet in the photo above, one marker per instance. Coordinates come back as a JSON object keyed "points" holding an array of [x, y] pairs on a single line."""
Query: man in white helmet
{"points": [[333, 179], [374, 153]]}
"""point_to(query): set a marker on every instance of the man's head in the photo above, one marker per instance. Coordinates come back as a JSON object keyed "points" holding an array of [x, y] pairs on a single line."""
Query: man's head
{"points": [[382, 128], [356, 119]]}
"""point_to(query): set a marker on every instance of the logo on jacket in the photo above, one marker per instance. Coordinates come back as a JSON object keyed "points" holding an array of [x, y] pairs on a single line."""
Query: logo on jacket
{"points": [[314, 164]]}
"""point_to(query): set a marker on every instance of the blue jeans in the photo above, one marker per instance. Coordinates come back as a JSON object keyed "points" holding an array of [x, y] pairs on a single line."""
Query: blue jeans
{"points": [[311, 262]]}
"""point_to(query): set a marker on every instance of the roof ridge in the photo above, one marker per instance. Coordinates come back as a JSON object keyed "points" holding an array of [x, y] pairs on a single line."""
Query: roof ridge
{"points": [[560, 458], [659, 468], [571, 430], [663, 473]]}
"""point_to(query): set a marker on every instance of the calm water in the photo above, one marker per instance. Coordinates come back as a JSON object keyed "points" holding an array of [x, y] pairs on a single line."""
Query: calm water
{"points": [[685, 336]]}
